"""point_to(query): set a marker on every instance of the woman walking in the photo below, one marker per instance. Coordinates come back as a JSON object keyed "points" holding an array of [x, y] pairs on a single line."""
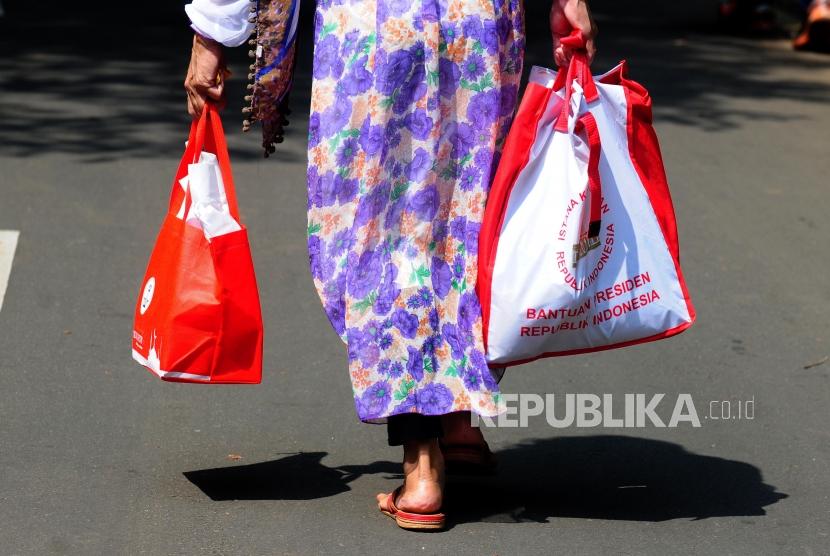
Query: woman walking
{"points": [[411, 102]]}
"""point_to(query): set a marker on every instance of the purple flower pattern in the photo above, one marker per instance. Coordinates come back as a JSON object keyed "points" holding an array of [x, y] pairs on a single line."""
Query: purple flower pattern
{"points": [[404, 132]]}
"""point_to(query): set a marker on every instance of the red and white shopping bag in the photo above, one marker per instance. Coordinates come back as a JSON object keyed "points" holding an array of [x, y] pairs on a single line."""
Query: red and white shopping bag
{"points": [[198, 317], [578, 248]]}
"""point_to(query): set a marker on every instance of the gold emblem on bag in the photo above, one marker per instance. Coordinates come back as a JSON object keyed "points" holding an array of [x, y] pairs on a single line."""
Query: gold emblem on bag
{"points": [[586, 245]]}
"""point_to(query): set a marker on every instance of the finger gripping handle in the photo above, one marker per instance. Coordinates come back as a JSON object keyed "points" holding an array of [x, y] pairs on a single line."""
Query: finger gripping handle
{"points": [[578, 70]]}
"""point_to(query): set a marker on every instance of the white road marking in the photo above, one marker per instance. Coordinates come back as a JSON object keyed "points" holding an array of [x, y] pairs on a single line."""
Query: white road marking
{"points": [[8, 243]]}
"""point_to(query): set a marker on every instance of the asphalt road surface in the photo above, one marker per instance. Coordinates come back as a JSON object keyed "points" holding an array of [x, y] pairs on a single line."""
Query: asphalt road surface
{"points": [[99, 457]]}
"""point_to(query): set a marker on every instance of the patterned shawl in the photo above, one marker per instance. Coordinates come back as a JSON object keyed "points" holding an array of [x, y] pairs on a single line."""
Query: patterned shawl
{"points": [[272, 72]]}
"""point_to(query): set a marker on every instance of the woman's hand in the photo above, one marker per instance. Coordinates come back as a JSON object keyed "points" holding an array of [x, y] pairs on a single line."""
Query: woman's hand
{"points": [[205, 76], [565, 16]]}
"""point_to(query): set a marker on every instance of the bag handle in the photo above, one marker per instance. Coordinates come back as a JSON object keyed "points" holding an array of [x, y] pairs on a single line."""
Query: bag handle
{"points": [[579, 70], [207, 132], [176, 195], [220, 149], [587, 124]]}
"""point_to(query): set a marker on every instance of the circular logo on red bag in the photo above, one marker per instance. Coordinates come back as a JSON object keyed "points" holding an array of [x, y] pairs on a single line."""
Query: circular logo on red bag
{"points": [[147, 294]]}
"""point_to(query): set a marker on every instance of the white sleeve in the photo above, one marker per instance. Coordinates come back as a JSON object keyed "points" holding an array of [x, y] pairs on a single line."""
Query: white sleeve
{"points": [[224, 21]]}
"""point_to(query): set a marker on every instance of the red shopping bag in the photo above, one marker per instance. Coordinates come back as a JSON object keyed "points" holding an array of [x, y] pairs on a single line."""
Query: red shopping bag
{"points": [[578, 247], [198, 317]]}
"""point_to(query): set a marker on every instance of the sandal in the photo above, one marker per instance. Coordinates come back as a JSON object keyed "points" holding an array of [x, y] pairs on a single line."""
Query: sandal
{"points": [[469, 459], [815, 34], [412, 521]]}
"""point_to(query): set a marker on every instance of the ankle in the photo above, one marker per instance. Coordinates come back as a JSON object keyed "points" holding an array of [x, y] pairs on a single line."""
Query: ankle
{"points": [[423, 461]]}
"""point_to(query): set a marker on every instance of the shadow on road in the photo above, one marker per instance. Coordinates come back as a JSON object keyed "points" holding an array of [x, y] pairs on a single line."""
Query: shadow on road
{"points": [[610, 477], [102, 87], [299, 476], [594, 477]]}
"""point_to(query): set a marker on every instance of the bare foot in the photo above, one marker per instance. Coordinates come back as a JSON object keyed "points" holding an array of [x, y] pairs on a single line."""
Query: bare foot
{"points": [[422, 491]]}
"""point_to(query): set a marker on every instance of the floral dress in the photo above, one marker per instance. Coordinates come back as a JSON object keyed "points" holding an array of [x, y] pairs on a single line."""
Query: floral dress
{"points": [[410, 105]]}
